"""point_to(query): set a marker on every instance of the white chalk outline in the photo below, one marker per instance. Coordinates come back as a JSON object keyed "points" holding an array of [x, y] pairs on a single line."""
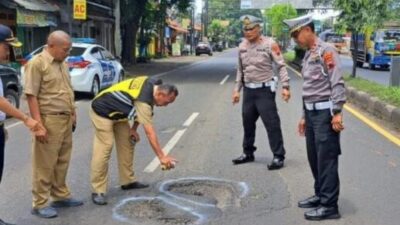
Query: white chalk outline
{"points": [[201, 218], [243, 185]]}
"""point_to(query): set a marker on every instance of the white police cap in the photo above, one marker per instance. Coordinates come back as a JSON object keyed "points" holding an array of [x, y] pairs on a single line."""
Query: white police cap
{"points": [[250, 21], [297, 23]]}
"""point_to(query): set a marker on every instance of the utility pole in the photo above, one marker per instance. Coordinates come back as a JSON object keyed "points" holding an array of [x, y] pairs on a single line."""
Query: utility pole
{"points": [[70, 17], [206, 19]]}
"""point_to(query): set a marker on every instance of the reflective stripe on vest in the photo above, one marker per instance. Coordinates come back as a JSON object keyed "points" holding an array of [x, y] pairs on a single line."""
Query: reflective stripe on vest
{"points": [[133, 87]]}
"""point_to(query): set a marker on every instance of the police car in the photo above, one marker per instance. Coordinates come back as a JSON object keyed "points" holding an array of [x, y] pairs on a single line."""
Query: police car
{"points": [[91, 66]]}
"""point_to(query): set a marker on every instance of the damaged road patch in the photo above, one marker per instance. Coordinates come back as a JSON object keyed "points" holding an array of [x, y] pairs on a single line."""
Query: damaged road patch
{"points": [[143, 209], [183, 201]]}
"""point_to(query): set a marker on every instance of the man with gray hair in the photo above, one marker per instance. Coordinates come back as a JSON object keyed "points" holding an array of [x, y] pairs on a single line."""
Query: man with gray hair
{"points": [[110, 113], [51, 102]]}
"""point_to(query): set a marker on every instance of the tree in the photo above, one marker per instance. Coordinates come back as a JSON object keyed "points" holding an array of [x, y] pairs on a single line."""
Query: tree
{"points": [[217, 31], [275, 16], [132, 12], [360, 15]]}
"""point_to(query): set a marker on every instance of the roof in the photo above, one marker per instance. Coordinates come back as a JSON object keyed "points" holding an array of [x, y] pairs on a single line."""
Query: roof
{"points": [[267, 4], [38, 5]]}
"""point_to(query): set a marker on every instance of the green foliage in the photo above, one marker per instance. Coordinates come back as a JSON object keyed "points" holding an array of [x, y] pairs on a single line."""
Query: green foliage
{"points": [[358, 15], [216, 31], [289, 56], [275, 17], [389, 95]]}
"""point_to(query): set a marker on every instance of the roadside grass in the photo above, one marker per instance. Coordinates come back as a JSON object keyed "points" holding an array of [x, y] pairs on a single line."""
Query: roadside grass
{"points": [[389, 95], [289, 56]]}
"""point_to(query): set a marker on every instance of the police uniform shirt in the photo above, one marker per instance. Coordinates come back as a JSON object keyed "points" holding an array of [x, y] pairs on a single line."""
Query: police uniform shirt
{"points": [[119, 105], [50, 82], [256, 62], [322, 75]]}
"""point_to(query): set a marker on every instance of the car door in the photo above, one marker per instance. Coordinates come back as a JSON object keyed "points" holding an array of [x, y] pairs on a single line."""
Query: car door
{"points": [[101, 65], [112, 66], [109, 71]]}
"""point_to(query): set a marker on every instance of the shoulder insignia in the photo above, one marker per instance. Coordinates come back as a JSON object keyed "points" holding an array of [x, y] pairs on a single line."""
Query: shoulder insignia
{"points": [[329, 60]]}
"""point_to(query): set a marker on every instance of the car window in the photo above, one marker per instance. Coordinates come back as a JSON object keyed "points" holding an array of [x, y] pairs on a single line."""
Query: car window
{"points": [[106, 54], [95, 52], [77, 51]]}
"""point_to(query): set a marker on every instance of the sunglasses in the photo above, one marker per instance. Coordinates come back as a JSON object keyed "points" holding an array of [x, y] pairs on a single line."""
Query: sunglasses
{"points": [[248, 29]]}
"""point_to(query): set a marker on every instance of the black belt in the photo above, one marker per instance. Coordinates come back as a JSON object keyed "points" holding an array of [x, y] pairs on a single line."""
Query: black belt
{"points": [[58, 114]]}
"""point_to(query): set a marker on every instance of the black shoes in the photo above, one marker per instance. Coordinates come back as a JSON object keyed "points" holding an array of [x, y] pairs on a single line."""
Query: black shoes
{"points": [[134, 185], [276, 163], [310, 202], [322, 213], [243, 159], [99, 198]]}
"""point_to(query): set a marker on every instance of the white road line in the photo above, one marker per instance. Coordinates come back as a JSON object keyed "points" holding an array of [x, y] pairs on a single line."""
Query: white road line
{"points": [[190, 119], [168, 147], [224, 80], [171, 143], [13, 125]]}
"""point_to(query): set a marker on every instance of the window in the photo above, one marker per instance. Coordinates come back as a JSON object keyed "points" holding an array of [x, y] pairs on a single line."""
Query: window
{"points": [[96, 53]]}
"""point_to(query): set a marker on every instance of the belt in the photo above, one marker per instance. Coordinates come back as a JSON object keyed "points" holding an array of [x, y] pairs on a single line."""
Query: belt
{"points": [[318, 105], [257, 85], [58, 114]]}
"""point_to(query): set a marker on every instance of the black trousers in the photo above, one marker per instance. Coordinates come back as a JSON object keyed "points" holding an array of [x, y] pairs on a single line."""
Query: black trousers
{"points": [[257, 103], [2, 141], [323, 150]]}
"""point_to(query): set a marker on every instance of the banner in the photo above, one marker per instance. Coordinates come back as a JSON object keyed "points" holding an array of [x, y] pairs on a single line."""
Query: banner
{"points": [[80, 10]]}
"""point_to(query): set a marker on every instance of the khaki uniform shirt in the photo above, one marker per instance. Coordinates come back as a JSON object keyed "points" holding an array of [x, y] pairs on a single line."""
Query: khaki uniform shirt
{"points": [[50, 82], [322, 75], [144, 113], [256, 62]]}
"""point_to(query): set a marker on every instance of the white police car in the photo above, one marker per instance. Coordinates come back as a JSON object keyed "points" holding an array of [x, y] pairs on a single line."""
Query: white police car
{"points": [[92, 67]]}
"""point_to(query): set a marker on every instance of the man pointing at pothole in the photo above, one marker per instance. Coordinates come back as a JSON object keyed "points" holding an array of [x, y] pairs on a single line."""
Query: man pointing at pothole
{"points": [[111, 109]]}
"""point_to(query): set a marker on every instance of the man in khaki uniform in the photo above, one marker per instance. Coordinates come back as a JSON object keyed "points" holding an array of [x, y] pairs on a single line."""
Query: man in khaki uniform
{"points": [[51, 102], [7, 42], [110, 112]]}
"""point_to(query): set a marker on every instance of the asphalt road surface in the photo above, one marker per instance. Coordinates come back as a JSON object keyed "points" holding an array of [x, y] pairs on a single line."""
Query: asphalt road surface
{"points": [[203, 130]]}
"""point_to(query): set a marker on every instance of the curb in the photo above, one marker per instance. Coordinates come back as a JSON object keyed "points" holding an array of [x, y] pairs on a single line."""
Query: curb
{"points": [[374, 106]]}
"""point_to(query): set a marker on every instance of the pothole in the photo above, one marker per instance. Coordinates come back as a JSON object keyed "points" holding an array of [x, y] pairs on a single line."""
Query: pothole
{"points": [[143, 209], [207, 192]]}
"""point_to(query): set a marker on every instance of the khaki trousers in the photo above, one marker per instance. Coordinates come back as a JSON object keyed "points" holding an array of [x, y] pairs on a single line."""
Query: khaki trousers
{"points": [[50, 161], [106, 131]]}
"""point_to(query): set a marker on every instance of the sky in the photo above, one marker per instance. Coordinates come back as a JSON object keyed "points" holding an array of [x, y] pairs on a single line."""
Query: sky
{"points": [[199, 4]]}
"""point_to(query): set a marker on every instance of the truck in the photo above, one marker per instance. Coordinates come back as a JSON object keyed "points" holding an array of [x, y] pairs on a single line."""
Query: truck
{"points": [[376, 47]]}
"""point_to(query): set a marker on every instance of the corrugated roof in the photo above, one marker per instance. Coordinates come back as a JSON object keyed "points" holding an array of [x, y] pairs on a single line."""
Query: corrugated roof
{"points": [[38, 5], [263, 4]]}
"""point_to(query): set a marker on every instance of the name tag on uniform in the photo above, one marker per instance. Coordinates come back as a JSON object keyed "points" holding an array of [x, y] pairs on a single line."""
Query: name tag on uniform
{"points": [[261, 50], [243, 51]]}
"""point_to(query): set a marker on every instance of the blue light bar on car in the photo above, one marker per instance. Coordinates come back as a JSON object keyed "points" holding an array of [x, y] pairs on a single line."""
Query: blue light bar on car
{"points": [[84, 40]]}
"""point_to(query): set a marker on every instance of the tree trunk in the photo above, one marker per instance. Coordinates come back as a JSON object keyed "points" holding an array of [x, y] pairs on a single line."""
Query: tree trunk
{"points": [[131, 12], [355, 53]]}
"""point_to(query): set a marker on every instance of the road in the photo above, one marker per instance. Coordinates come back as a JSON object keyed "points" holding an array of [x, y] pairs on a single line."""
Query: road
{"points": [[203, 130], [380, 76]]}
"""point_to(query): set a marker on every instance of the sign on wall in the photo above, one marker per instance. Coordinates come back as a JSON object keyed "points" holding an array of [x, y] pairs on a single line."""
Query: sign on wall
{"points": [[80, 9]]}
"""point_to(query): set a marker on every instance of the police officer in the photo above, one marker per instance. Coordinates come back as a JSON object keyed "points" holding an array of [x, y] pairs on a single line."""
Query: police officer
{"points": [[51, 102], [7, 41], [255, 75], [321, 123], [111, 109]]}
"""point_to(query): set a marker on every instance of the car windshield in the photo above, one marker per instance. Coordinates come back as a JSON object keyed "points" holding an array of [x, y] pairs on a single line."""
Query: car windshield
{"points": [[77, 51]]}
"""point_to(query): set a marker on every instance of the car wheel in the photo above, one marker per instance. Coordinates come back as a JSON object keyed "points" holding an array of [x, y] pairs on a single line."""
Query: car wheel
{"points": [[121, 76], [12, 97], [371, 66], [95, 86]]}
